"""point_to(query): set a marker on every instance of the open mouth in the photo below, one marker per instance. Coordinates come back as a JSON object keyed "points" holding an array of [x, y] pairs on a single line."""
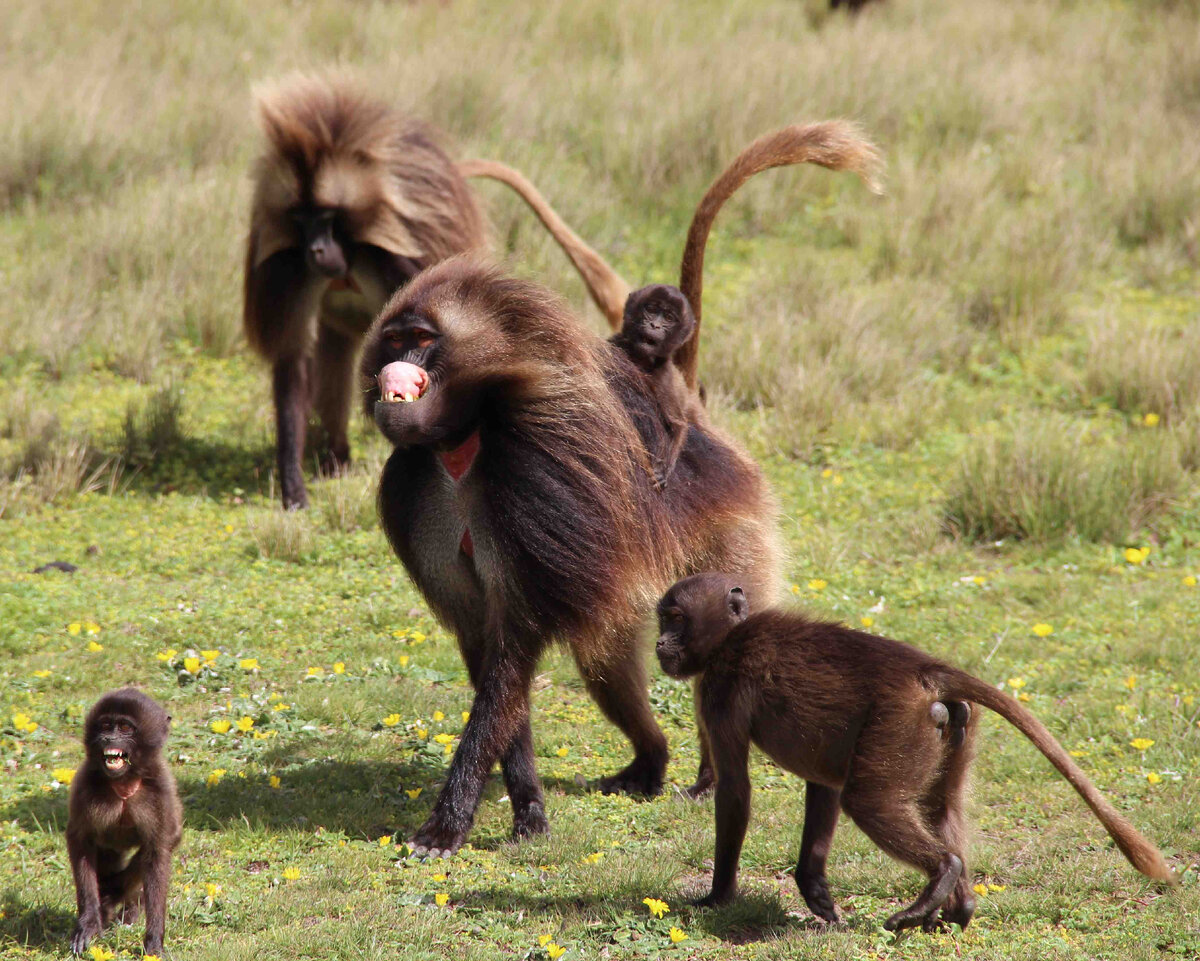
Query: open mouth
{"points": [[115, 759], [402, 382]]}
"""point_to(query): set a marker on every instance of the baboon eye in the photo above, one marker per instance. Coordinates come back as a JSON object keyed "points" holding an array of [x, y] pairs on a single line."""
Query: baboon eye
{"points": [[422, 337]]}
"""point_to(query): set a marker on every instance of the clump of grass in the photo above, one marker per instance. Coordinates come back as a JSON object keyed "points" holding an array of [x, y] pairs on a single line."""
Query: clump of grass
{"points": [[280, 535], [155, 431], [1051, 478], [1142, 369], [347, 503]]}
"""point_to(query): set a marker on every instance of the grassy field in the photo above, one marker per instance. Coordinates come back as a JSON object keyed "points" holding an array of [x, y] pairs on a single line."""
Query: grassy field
{"points": [[977, 398]]}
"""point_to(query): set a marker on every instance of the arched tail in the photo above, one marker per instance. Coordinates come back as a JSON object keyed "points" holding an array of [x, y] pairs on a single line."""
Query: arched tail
{"points": [[836, 144], [1140, 852], [605, 285]]}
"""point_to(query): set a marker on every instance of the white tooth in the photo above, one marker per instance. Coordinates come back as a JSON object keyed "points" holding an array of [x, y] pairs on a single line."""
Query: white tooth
{"points": [[409, 398]]}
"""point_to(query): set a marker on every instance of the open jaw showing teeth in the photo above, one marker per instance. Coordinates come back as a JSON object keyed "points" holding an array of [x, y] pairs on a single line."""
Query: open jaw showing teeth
{"points": [[115, 758], [401, 382]]}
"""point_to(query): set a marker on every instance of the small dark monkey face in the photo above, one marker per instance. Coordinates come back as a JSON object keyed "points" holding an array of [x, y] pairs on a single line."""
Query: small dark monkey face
{"points": [[693, 618], [122, 729], [657, 321], [324, 252]]}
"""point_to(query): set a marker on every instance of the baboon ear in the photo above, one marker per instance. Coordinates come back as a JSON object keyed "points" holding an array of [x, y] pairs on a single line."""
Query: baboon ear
{"points": [[738, 606]]}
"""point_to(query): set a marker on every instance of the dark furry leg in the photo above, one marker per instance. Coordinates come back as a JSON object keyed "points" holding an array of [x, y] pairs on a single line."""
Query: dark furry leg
{"points": [[334, 383], [822, 805], [290, 383]]}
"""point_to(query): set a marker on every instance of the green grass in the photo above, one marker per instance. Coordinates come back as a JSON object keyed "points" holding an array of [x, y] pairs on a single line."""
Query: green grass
{"points": [[948, 389]]}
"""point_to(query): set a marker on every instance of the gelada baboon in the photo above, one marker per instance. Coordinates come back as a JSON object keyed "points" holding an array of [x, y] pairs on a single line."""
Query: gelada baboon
{"points": [[125, 819], [874, 726], [519, 500], [351, 199], [657, 321]]}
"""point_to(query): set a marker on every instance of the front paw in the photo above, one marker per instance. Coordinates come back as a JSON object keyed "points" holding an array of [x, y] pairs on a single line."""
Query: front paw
{"points": [[86, 928], [530, 821], [714, 899], [434, 839]]}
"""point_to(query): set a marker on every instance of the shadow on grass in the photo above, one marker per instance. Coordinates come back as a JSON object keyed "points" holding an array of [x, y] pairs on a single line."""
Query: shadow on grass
{"points": [[28, 925], [361, 799], [199, 465]]}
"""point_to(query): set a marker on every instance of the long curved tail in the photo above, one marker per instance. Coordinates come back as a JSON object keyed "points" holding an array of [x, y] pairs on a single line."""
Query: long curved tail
{"points": [[1141, 853], [836, 144], [605, 285]]}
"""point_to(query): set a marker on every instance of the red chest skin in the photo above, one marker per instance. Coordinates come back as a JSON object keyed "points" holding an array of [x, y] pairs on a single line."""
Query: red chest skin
{"points": [[457, 462]]}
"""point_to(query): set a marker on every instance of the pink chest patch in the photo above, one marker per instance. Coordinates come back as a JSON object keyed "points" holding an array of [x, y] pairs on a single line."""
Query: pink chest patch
{"points": [[457, 462]]}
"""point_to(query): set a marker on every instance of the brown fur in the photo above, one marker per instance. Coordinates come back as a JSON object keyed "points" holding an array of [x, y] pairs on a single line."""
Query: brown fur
{"points": [[122, 828], [400, 205], [856, 716], [657, 320], [834, 144], [607, 289], [568, 539]]}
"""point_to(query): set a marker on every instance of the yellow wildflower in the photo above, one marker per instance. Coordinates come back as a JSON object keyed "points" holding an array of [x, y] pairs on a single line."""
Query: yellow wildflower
{"points": [[291, 874], [555, 951], [416, 637], [391, 720], [42, 673], [444, 738], [339, 667], [274, 781], [245, 723], [74, 629], [1134, 555], [413, 792], [442, 899], [795, 588], [228, 528], [63, 775], [1141, 743], [94, 647], [220, 727], [1016, 682], [1151, 419], [657, 908], [677, 935], [422, 733], [166, 655], [212, 890], [979, 580], [215, 777], [210, 655], [248, 663], [1189, 580], [866, 621], [981, 890], [816, 584], [1131, 681], [100, 954], [280, 706], [997, 887], [385, 840], [466, 716], [439, 716], [91, 627], [191, 664], [837, 479], [827, 473], [1022, 696], [403, 659], [544, 939], [1153, 778], [314, 672], [151, 957], [594, 858], [563, 751], [439, 878]]}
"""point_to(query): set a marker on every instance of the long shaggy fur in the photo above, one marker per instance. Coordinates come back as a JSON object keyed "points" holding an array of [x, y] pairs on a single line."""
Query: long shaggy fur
{"points": [[332, 145]]}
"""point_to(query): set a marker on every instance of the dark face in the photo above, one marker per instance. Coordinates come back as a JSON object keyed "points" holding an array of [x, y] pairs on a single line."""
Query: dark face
{"points": [[124, 731], [324, 249], [423, 393], [656, 323], [694, 617]]}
